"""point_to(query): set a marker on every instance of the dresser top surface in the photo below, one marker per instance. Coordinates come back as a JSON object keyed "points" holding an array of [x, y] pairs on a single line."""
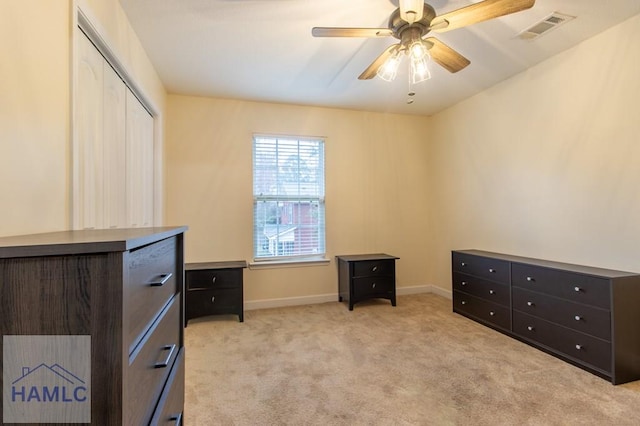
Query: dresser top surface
{"points": [[588, 270], [199, 266], [360, 257], [83, 241]]}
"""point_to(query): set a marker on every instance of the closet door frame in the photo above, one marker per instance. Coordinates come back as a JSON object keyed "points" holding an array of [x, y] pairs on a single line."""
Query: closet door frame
{"points": [[83, 24]]}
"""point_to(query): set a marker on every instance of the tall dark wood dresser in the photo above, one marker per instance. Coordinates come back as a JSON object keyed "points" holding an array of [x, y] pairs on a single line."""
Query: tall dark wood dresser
{"points": [[121, 287]]}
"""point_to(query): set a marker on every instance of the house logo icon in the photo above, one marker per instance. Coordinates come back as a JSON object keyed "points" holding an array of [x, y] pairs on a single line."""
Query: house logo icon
{"points": [[46, 379], [46, 383]]}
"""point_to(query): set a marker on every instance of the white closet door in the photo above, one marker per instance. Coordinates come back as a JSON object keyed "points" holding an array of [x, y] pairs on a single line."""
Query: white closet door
{"points": [[113, 173], [114, 149], [139, 169], [88, 174]]}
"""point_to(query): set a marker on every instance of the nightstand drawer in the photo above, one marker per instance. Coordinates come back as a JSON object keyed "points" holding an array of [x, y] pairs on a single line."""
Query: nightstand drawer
{"points": [[484, 267], [150, 364], [382, 267], [483, 310], [213, 302], [570, 343], [214, 278], [583, 318], [567, 285], [152, 283], [373, 287], [488, 290]]}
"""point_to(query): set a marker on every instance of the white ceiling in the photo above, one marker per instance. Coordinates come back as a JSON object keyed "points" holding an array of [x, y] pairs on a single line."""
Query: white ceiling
{"points": [[263, 49]]}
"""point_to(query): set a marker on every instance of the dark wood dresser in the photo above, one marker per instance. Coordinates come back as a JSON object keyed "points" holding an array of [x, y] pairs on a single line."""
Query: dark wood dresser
{"points": [[215, 288], [587, 316], [366, 276], [121, 287]]}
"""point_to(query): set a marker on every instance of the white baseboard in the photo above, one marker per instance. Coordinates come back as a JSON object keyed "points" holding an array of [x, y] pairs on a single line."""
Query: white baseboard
{"points": [[441, 292], [324, 298], [416, 289]]}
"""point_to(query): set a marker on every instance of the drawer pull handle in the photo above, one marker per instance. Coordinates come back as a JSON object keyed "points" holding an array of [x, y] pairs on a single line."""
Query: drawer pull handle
{"points": [[463, 283], [492, 270], [530, 303], [464, 302], [577, 289], [463, 264], [373, 285], [492, 292], [375, 268], [579, 347], [492, 313], [530, 279], [161, 280], [165, 363], [177, 419], [530, 328], [213, 299], [577, 317], [213, 280]]}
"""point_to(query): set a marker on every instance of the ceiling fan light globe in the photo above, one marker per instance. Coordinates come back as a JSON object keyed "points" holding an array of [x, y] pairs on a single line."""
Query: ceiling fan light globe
{"points": [[418, 50], [389, 69], [419, 70]]}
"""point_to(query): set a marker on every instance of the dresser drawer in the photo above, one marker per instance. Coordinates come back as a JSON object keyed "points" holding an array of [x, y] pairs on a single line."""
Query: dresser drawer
{"points": [[214, 278], [169, 411], [151, 284], [488, 268], [374, 268], [573, 344], [481, 309], [213, 302], [366, 287], [567, 285], [489, 290], [584, 318], [150, 364]]}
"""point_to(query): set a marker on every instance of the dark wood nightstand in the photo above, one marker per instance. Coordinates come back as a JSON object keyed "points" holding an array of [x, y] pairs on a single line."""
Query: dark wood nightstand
{"points": [[366, 276], [214, 288]]}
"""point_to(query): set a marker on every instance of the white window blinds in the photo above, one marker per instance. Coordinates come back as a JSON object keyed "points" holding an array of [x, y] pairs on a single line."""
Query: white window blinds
{"points": [[288, 197]]}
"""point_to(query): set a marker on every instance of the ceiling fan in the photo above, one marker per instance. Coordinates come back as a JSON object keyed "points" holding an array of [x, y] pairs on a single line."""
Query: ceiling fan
{"points": [[410, 23]]}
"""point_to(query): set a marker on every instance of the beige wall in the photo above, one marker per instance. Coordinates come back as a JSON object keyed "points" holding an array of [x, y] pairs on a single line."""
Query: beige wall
{"points": [[542, 165], [34, 115], [35, 104], [375, 186], [545, 164]]}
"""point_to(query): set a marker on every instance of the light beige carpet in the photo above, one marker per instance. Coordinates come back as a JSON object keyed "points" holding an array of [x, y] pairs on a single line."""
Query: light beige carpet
{"points": [[415, 364]]}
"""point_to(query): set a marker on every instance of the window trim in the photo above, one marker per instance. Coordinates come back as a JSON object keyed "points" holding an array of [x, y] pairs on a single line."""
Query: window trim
{"points": [[310, 259], [289, 262]]}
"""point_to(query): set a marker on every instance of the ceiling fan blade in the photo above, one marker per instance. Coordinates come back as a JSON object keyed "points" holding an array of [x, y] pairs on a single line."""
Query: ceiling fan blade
{"points": [[372, 69], [478, 12], [350, 32], [445, 56]]}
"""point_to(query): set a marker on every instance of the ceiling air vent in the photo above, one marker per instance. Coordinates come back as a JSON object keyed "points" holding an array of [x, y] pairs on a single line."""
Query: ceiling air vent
{"points": [[547, 24]]}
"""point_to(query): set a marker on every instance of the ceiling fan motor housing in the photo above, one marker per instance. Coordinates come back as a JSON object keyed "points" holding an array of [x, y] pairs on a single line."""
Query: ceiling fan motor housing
{"points": [[399, 25]]}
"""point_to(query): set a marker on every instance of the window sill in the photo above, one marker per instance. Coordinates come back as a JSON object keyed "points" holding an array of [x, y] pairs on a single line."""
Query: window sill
{"points": [[289, 263]]}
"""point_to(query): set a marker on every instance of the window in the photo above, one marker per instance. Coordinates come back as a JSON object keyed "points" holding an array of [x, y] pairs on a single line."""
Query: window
{"points": [[288, 197]]}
